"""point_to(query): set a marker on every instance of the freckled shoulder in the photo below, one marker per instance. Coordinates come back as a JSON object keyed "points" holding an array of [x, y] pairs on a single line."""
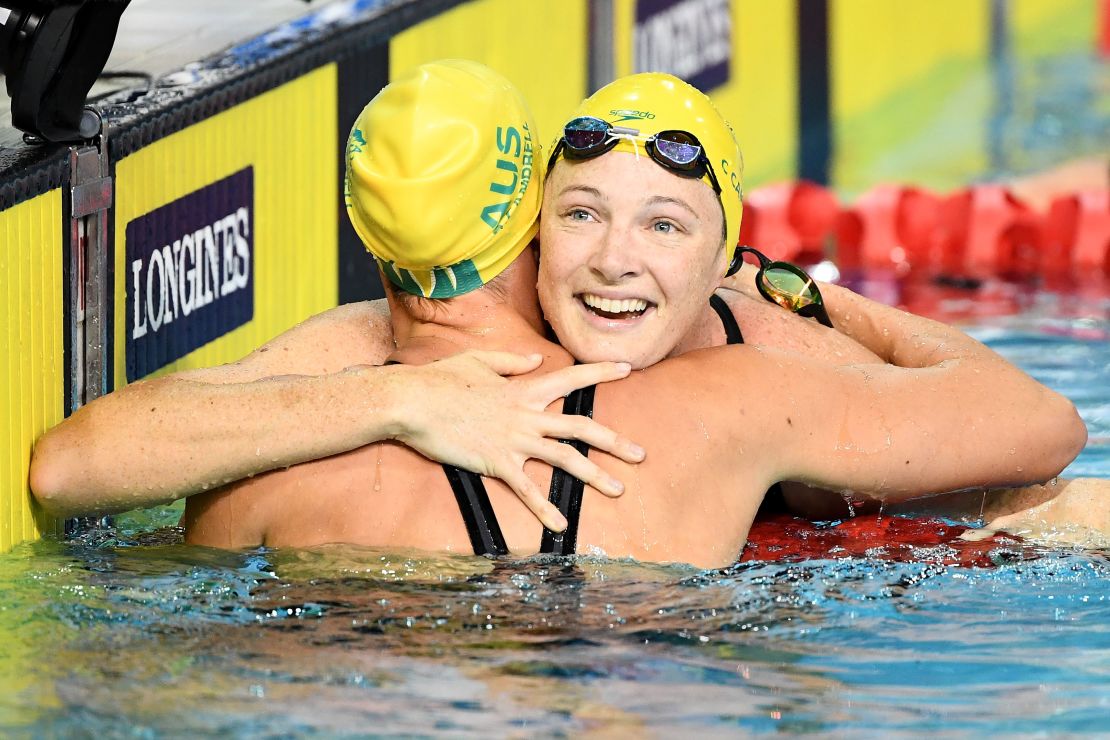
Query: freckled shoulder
{"points": [[353, 334], [766, 324]]}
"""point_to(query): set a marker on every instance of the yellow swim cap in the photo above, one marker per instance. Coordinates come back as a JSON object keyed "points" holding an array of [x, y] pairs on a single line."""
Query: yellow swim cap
{"points": [[654, 102], [444, 178]]}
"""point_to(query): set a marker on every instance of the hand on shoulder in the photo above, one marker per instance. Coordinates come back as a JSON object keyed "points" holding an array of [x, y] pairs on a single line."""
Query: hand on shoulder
{"points": [[462, 411]]}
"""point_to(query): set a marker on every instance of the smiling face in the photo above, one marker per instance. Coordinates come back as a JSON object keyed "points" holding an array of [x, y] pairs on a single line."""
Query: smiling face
{"points": [[629, 255]]}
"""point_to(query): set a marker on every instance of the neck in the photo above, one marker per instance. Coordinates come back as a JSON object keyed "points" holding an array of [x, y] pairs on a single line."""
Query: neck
{"points": [[707, 331], [505, 320]]}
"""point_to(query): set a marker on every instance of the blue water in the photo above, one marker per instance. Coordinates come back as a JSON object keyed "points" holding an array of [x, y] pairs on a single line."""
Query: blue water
{"points": [[1071, 355], [127, 632]]}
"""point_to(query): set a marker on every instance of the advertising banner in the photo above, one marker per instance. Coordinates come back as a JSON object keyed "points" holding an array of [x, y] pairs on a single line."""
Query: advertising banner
{"points": [[691, 39], [190, 266]]}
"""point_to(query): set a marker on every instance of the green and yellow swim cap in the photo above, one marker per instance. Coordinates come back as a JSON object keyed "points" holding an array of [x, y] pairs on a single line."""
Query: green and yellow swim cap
{"points": [[654, 102], [444, 178]]}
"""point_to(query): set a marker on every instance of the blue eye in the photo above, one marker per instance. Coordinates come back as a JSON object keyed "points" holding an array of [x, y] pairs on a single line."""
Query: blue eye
{"points": [[579, 215], [664, 227]]}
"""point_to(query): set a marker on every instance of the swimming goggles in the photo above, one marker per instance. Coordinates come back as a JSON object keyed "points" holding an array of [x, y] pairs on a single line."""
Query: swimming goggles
{"points": [[787, 285], [678, 151]]}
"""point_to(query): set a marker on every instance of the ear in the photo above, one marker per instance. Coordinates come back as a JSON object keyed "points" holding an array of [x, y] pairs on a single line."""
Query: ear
{"points": [[535, 247]]}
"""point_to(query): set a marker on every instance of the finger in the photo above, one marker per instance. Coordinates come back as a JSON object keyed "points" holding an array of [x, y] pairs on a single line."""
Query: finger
{"points": [[562, 382], [507, 363], [975, 535], [594, 434], [548, 514], [569, 459], [1009, 521]]}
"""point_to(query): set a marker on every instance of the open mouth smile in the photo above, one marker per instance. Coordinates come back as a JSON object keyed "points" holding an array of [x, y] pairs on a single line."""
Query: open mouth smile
{"points": [[615, 309]]}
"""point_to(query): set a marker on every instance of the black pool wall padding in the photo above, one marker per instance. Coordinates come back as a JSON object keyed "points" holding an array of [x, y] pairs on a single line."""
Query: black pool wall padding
{"points": [[30, 171], [814, 115], [361, 75]]}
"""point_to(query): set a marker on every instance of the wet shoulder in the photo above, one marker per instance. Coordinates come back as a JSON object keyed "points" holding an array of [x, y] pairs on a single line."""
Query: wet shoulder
{"points": [[701, 390], [769, 325], [354, 334]]}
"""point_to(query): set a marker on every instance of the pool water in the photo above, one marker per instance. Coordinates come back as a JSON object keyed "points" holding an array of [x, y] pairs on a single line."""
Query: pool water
{"points": [[125, 631]]}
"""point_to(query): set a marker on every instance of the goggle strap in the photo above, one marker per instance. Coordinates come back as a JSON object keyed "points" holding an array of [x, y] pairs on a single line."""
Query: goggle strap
{"points": [[623, 131]]}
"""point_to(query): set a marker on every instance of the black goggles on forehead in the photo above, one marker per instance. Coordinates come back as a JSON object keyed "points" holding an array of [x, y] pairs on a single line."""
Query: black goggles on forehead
{"points": [[787, 285], [678, 151]]}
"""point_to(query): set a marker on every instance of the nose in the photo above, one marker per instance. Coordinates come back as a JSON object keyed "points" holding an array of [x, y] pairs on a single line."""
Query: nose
{"points": [[614, 259]]}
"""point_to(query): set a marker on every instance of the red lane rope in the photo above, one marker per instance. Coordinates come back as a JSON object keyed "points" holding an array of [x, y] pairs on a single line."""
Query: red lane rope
{"points": [[891, 538], [978, 231]]}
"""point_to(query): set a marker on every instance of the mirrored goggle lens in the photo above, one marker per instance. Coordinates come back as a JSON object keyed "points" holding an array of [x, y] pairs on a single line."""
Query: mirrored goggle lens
{"points": [[679, 148], [585, 133], [789, 289]]}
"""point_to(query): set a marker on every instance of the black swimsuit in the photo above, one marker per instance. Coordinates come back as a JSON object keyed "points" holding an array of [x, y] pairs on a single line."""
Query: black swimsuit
{"points": [[566, 490], [565, 493]]}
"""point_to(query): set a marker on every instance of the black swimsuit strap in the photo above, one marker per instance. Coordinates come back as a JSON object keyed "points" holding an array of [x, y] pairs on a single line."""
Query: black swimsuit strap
{"points": [[732, 329], [566, 490], [477, 512]]}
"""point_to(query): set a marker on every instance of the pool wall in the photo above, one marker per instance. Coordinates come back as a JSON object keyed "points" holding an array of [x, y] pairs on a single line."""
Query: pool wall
{"points": [[31, 352], [207, 216]]}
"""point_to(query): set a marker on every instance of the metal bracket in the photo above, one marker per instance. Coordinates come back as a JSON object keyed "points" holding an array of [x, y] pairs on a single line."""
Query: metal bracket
{"points": [[91, 193], [90, 197]]}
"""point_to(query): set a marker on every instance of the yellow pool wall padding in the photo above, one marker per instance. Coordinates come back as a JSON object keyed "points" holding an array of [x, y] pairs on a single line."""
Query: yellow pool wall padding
{"points": [[288, 135], [32, 369], [543, 51], [903, 75]]}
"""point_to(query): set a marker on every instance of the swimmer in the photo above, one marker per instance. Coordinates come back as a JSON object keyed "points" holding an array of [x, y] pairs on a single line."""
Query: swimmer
{"points": [[602, 249], [348, 323]]}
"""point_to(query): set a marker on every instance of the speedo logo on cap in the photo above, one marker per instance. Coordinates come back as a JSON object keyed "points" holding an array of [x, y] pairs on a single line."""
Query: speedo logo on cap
{"points": [[631, 115]]}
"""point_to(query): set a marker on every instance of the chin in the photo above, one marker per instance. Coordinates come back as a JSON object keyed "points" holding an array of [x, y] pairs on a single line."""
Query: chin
{"points": [[610, 352], [645, 360]]}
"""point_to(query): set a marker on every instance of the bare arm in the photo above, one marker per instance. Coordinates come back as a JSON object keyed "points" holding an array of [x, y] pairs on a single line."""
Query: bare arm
{"points": [[1066, 512], [155, 442], [295, 400], [971, 420], [158, 440], [903, 339]]}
